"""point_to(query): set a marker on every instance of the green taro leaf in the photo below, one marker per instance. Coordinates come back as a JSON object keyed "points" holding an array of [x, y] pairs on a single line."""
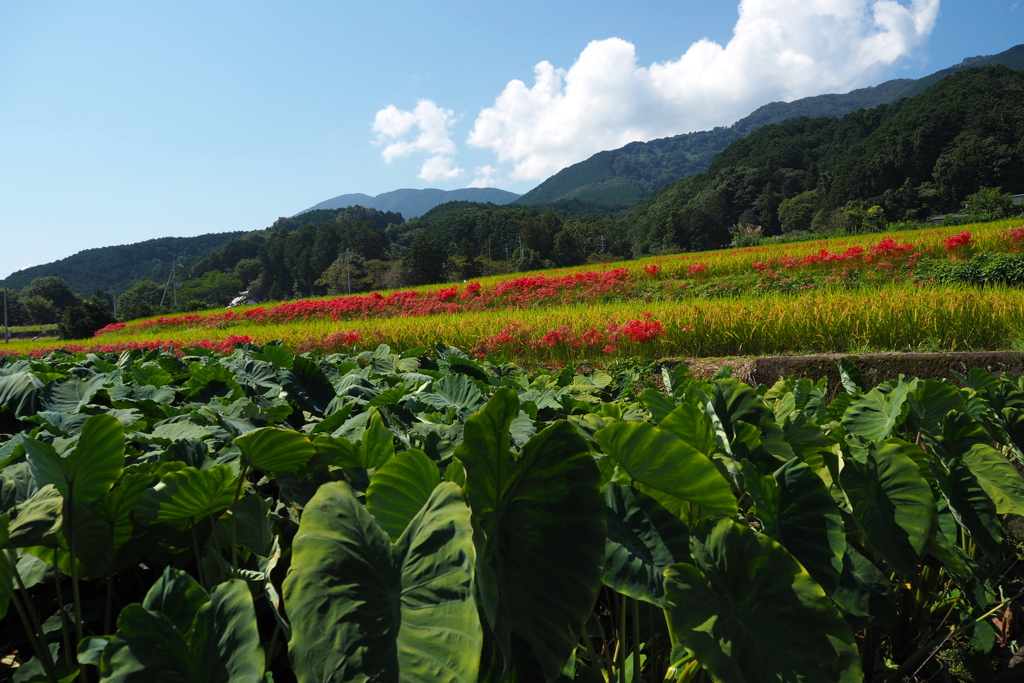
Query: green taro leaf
{"points": [[400, 489], [366, 610], [36, 519], [307, 385], [691, 424], [734, 402], [455, 390], [1000, 479], [643, 539], [864, 591], [802, 516], [89, 469], [219, 645], [187, 495], [72, 394], [19, 392], [663, 461], [972, 508], [749, 613], [540, 521], [929, 404], [146, 649], [892, 503], [276, 450], [378, 443], [875, 414], [178, 597], [225, 643]]}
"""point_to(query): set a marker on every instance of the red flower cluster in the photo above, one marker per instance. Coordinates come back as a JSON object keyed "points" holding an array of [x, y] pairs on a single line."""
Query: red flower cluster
{"points": [[515, 337], [960, 241], [885, 255], [524, 292], [218, 345], [1014, 238]]}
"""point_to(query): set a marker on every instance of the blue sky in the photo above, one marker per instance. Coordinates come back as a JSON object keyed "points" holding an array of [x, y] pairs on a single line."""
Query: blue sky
{"points": [[124, 121]]}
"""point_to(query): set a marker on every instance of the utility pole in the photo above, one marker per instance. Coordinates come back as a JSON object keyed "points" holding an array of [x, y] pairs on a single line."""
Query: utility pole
{"points": [[602, 244], [348, 270], [521, 252], [174, 272]]}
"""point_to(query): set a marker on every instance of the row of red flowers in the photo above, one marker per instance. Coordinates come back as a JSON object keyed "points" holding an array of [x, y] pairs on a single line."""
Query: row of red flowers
{"points": [[887, 259]]}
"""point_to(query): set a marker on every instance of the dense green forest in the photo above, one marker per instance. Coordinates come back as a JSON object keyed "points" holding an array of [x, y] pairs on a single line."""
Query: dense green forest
{"points": [[904, 161], [623, 177], [117, 268]]}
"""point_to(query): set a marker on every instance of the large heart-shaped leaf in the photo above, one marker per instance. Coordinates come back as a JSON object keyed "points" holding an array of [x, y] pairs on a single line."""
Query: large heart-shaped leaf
{"points": [[864, 591], [643, 539], [1001, 480], [307, 385], [19, 392], [797, 510], [892, 503], [188, 495], [276, 450], [71, 394], [364, 609], [875, 414], [201, 639], [541, 523], [453, 391], [400, 489], [89, 469], [972, 508], [748, 612], [36, 519], [663, 461]]}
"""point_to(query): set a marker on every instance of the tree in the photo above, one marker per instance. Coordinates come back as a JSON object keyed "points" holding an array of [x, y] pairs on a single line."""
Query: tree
{"points": [[53, 289], [81, 322], [214, 287], [141, 301], [38, 311], [425, 263], [796, 213], [989, 200]]}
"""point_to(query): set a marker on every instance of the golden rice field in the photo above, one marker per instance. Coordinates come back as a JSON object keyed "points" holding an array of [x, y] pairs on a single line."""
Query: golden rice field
{"points": [[894, 316]]}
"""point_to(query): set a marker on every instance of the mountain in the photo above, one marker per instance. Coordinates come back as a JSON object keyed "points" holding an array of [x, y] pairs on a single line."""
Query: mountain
{"points": [[622, 177], [411, 203], [901, 161], [115, 269]]}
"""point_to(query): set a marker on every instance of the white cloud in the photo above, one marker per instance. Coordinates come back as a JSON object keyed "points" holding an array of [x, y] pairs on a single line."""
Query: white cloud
{"points": [[439, 167], [425, 129], [780, 50], [485, 176]]}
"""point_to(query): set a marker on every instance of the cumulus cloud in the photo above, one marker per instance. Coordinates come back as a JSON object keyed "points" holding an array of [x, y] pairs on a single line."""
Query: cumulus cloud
{"points": [[439, 167], [780, 50], [425, 129], [485, 176]]}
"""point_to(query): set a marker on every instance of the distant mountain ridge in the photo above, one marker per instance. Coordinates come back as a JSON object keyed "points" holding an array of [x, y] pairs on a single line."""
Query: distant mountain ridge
{"points": [[411, 203], [117, 268], [622, 177]]}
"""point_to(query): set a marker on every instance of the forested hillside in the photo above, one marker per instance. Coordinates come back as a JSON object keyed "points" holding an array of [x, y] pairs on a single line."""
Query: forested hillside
{"points": [[903, 161], [621, 178], [117, 268]]}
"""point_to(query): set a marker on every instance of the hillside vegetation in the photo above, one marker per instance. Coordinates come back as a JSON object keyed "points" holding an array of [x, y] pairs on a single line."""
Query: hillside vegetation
{"points": [[621, 178], [903, 161]]}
